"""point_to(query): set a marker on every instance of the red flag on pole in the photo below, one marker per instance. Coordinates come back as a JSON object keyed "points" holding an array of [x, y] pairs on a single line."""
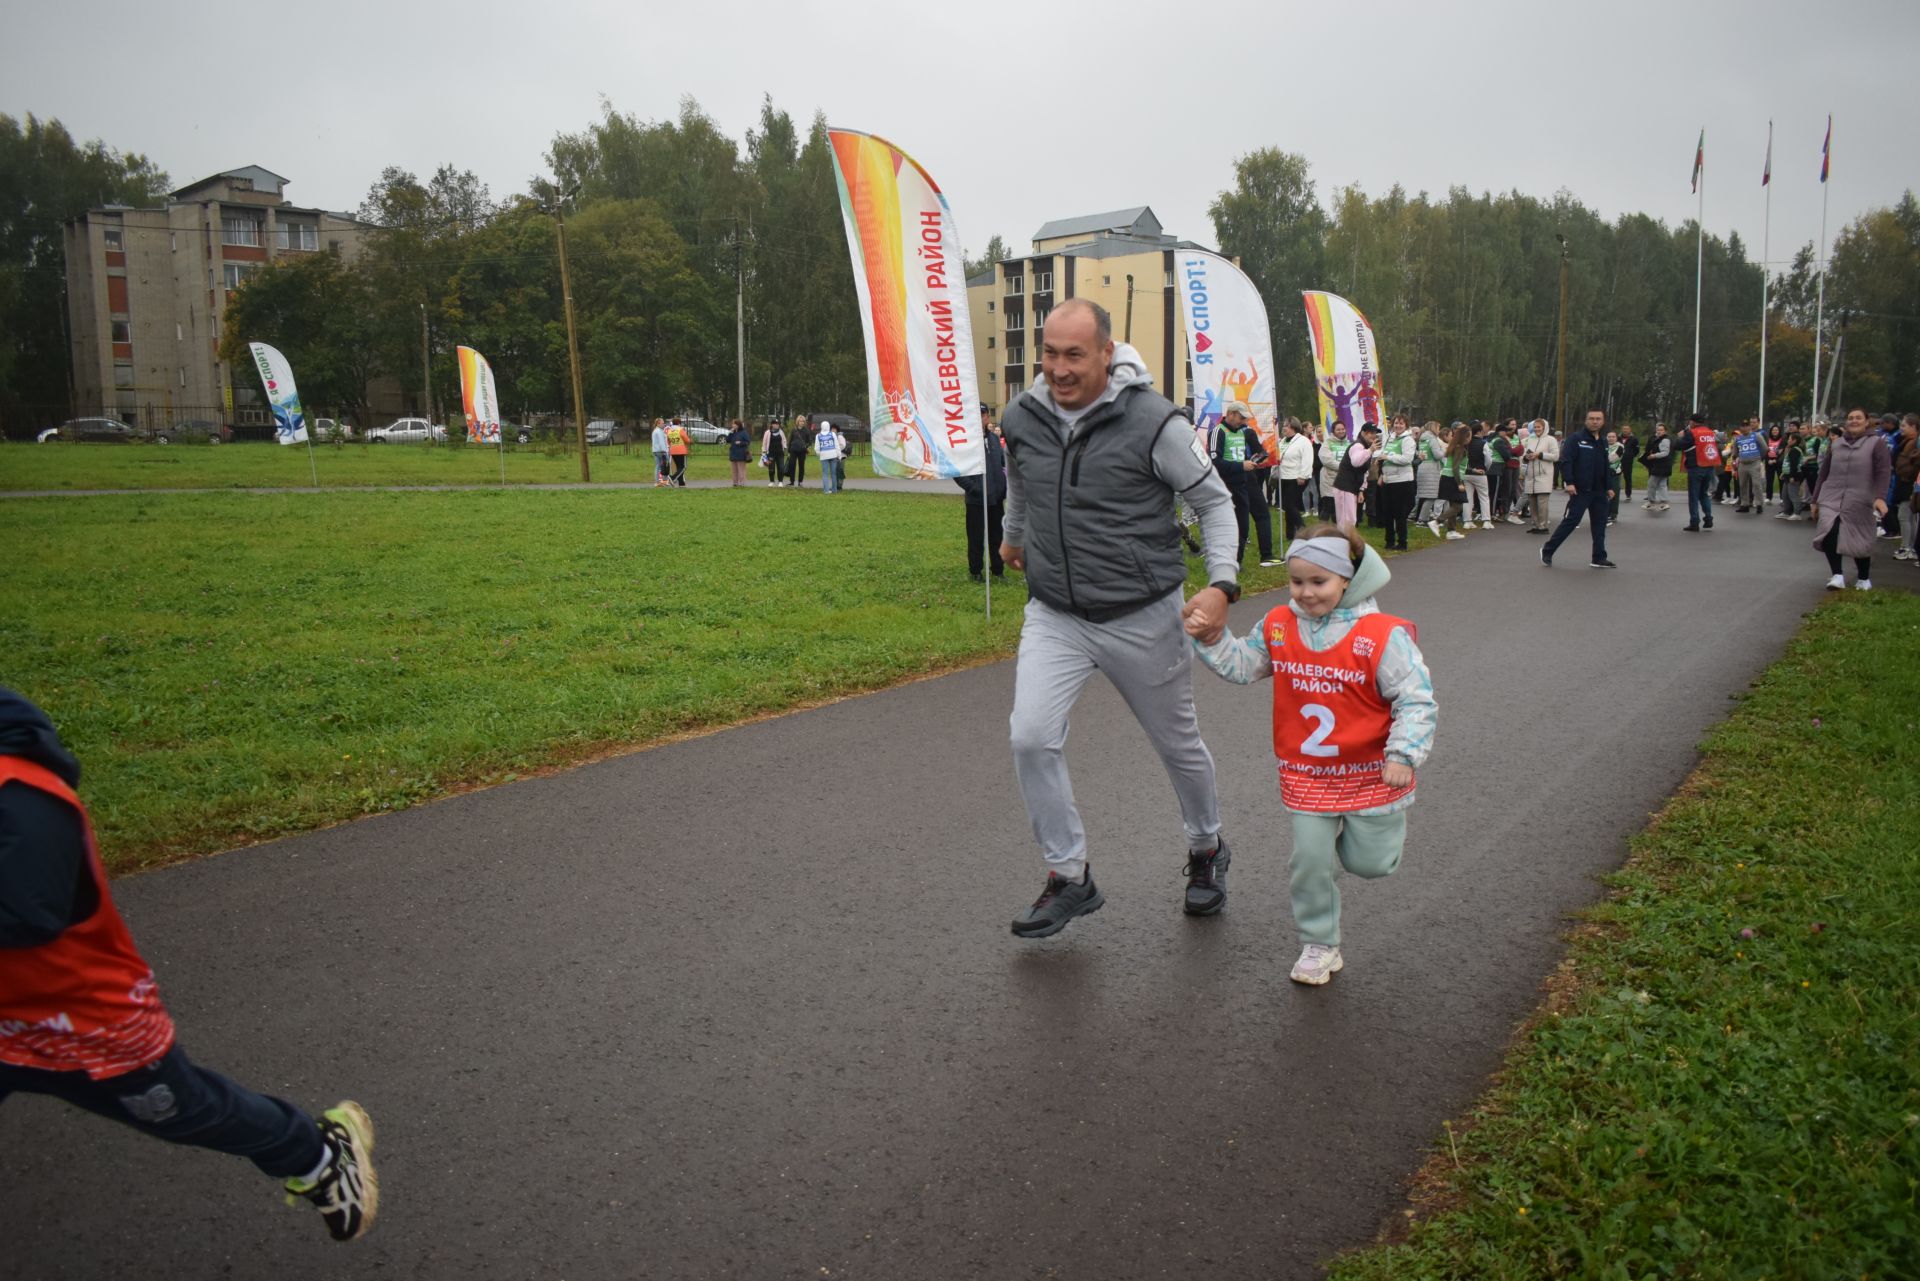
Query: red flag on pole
{"points": [[1700, 160], [1826, 150]]}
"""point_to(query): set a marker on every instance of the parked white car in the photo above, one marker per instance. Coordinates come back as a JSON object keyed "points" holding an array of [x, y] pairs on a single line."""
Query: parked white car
{"points": [[406, 431]]}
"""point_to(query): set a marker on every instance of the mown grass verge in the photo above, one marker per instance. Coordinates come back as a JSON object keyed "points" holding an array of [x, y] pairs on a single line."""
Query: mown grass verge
{"points": [[254, 464], [1726, 1082]]}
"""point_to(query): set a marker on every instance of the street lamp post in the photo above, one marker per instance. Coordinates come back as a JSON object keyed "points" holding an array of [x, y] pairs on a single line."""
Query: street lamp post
{"points": [[573, 342]]}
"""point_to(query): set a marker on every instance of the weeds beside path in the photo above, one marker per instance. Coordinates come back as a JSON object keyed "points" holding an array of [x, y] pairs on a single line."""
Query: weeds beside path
{"points": [[1728, 1082]]}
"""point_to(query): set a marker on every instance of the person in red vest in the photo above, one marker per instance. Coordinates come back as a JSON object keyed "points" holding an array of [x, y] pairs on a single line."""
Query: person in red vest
{"points": [[81, 1017], [1353, 717], [1699, 450]]}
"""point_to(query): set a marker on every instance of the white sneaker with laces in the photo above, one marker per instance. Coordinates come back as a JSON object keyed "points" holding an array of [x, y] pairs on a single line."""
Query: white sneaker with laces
{"points": [[1836, 583], [1864, 585], [1434, 525], [1454, 533], [1486, 524], [1317, 964], [1515, 520]]}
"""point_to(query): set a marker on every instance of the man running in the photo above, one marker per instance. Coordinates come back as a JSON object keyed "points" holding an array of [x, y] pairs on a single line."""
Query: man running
{"points": [[1095, 457]]}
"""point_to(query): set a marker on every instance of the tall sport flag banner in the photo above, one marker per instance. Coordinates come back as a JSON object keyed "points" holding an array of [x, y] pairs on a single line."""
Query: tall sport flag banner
{"points": [[477, 395], [1826, 154], [921, 395], [1699, 159], [289, 420], [1229, 343], [1346, 364]]}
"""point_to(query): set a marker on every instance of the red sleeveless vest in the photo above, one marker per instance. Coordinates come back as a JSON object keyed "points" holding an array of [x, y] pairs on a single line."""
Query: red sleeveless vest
{"points": [[1330, 724], [86, 1001]]}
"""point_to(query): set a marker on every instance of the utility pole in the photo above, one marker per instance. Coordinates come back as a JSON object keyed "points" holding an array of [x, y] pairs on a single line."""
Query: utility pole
{"points": [[1129, 329], [573, 341], [426, 375], [740, 320], [1560, 383]]}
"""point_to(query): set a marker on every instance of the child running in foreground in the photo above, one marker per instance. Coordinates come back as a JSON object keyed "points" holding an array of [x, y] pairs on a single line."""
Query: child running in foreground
{"points": [[1353, 716]]}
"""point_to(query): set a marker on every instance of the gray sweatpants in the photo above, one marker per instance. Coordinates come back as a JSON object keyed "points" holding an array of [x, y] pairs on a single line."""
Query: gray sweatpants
{"points": [[1146, 656]]}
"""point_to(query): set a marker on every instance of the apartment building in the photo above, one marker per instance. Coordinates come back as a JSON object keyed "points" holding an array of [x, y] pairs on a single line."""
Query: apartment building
{"points": [[1121, 260], [147, 293]]}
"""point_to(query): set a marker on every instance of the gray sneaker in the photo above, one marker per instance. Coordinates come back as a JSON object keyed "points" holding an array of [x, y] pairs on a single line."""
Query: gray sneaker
{"points": [[1059, 902], [1207, 880]]}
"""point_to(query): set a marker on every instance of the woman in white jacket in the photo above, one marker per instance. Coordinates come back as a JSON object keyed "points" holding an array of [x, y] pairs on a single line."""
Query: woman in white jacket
{"points": [[1296, 469], [1332, 450], [1538, 454]]}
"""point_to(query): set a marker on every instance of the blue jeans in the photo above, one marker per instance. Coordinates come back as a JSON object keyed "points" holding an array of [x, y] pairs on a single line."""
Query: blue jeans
{"points": [[830, 475], [1594, 505], [1699, 497], [177, 1100]]}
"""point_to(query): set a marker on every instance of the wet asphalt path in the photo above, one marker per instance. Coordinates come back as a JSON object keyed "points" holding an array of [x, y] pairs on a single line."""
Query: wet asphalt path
{"points": [[747, 1006]]}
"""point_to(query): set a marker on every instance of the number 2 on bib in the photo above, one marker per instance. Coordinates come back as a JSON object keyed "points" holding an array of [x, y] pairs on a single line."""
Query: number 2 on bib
{"points": [[1316, 743]]}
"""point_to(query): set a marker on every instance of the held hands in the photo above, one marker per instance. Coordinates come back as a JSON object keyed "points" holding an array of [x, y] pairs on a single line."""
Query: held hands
{"points": [[1205, 616], [1014, 556], [1396, 774]]}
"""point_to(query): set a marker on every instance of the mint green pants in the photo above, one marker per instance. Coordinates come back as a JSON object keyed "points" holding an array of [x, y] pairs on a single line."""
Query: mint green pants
{"points": [[1366, 845]]}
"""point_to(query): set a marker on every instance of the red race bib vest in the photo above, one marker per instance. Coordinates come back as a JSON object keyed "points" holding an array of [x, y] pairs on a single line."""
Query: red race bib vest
{"points": [[85, 1002], [1706, 450], [1330, 724]]}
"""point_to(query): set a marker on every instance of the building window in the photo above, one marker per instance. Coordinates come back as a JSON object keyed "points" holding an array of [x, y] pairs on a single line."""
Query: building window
{"points": [[179, 335], [234, 274], [1013, 285], [1014, 322], [1040, 317], [1106, 281], [122, 330], [1014, 388], [989, 342], [991, 375], [183, 375], [123, 375], [990, 305], [173, 242], [297, 235], [238, 229], [1169, 280], [1043, 282], [115, 242]]}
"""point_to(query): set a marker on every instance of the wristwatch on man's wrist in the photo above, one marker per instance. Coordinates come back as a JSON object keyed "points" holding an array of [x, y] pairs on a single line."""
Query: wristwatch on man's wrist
{"points": [[1230, 590]]}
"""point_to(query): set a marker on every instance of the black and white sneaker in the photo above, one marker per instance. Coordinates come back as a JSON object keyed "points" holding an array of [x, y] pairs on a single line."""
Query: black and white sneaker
{"points": [[1206, 875], [1602, 563], [1059, 902], [347, 1191]]}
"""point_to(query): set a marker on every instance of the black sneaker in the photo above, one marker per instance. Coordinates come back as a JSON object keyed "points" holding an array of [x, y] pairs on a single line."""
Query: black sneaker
{"points": [[1602, 563], [1689, 529], [1706, 524], [1207, 880], [1059, 903], [1546, 559], [347, 1191]]}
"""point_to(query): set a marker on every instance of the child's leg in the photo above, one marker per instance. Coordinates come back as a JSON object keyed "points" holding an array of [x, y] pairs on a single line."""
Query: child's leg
{"points": [[1311, 877], [179, 1101], [1370, 844]]}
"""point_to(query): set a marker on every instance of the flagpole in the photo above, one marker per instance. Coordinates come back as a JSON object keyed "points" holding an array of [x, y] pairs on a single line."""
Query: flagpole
{"points": [[500, 438], [1820, 295], [312, 465], [1766, 279], [1699, 268], [987, 552]]}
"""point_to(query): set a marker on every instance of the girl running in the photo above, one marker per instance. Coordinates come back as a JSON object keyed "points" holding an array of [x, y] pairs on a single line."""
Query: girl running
{"points": [[1353, 716]]}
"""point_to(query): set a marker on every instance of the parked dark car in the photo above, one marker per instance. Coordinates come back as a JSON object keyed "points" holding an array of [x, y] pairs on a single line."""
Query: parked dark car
{"points": [[846, 424], [608, 431], [189, 430], [109, 431]]}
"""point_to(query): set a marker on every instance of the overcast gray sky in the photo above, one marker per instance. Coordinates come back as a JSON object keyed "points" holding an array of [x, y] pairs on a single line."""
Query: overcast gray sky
{"points": [[1024, 111]]}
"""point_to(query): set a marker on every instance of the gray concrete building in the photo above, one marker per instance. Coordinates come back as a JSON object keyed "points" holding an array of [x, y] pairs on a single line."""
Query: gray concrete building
{"points": [[147, 293]]}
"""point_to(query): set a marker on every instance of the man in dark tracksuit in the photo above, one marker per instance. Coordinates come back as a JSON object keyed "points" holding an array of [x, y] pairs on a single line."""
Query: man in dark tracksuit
{"points": [[1589, 481], [1236, 447], [80, 1013], [986, 505]]}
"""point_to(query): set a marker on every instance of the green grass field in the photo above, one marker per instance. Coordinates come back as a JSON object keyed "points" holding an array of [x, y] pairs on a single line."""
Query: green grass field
{"points": [[1726, 1083], [256, 465]]}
